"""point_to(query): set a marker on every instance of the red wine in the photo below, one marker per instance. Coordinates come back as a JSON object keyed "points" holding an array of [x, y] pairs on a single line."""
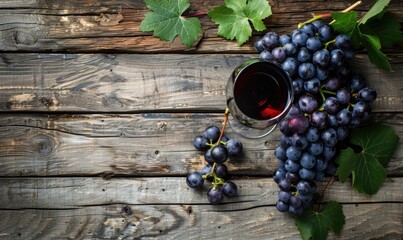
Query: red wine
{"points": [[260, 94]]}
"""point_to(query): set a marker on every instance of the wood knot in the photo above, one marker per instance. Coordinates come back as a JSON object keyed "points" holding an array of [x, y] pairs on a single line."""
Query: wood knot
{"points": [[126, 211], [24, 38]]}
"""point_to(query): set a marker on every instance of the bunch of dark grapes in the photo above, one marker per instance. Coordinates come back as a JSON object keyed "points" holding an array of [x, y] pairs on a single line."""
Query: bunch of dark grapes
{"points": [[328, 100], [216, 153]]}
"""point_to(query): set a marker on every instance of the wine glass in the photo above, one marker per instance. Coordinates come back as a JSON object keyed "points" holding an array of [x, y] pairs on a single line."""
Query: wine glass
{"points": [[259, 94]]}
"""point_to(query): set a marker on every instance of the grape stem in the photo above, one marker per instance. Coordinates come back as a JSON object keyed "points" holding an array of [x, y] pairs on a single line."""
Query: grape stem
{"points": [[328, 15], [323, 192], [197, 14], [226, 113]]}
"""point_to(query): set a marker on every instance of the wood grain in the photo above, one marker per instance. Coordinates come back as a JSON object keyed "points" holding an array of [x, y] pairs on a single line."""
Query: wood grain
{"points": [[138, 83], [152, 208], [46, 25], [132, 145]]}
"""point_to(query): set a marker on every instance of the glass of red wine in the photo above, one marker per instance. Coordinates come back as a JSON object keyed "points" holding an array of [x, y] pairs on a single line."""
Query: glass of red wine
{"points": [[259, 94]]}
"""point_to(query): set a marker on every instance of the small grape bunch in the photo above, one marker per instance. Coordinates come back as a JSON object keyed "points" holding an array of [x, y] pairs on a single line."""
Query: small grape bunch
{"points": [[217, 148]]}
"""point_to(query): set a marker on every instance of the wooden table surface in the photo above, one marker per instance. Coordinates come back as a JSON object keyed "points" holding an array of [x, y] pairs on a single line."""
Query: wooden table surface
{"points": [[97, 121]]}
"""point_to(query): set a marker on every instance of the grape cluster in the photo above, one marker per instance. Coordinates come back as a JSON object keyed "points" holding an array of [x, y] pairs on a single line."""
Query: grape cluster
{"points": [[328, 100], [216, 153]]}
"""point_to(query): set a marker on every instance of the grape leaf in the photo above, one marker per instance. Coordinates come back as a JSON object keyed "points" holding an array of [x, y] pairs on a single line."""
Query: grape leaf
{"points": [[368, 167], [315, 225], [167, 23], [345, 22], [376, 9], [376, 56], [233, 18]]}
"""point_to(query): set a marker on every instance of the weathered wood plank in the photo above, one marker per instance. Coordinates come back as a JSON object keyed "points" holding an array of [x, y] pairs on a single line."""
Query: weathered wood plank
{"points": [[88, 26], [122, 82], [165, 207], [131, 144]]}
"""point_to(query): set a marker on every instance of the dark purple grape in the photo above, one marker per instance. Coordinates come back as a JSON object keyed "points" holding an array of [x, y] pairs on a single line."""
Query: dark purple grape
{"points": [[333, 84], [318, 24], [304, 55], [304, 188], [315, 148], [328, 153], [259, 45], [298, 124], [293, 153], [284, 185], [200, 142], [219, 154], [279, 174], [332, 121], [342, 41], [329, 137], [313, 44], [322, 73], [306, 174], [284, 127], [206, 169], [312, 86], [293, 177], [234, 147], [212, 133], [270, 40], [321, 58], [299, 141], [318, 120], [294, 111], [290, 49], [292, 166], [331, 105], [194, 180], [307, 104], [298, 85], [290, 65], [367, 95], [312, 134], [295, 202], [207, 157], [299, 38], [284, 39], [215, 196], [337, 58], [309, 29], [342, 132], [278, 54], [321, 164], [343, 117], [284, 196], [230, 189], [343, 95], [357, 82], [279, 152], [307, 161], [221, 171], [282, 207], [266, 55], [297, 212], [325, 33], [306, 70], [360, 110]]}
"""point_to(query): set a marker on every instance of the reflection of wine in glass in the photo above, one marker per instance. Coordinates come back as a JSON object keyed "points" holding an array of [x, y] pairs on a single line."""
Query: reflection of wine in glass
{"points": [[259, 94]]}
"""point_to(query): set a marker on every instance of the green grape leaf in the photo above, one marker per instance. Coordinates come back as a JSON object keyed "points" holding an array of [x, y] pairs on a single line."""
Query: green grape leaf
{"points": [[367, 167], [376, 9], [316, 225], [376, 56], [386, 28], [233, 18], [344, 22], [167, 22]]}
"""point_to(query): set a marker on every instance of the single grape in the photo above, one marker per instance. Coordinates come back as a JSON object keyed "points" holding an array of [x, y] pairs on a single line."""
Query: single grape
{"points": [[306, 70], [292, 166], [298, 85], [279, 174], [331, 105], [284, 196], [306, 174], [234, 147], [281, 206], [304, 188], [343, 95], [299, 38], [280, 153], [343, 117], [295, 202], [215, 196], [307, 104], [200, 142], [278, 54], [298, 124], [337, 58], [307, 161], [328, 153], [219, 154], [285, 141], [309, 29], [207, 157], [321, 58], [292, 177], [212, 133], [312, 85], [325, 33], [266, 55], [355, 122], [206, 169], [332, 121], [259, 45], [221, 171], [333, 84], [315, 148], [297, 212], [322, 73], [313, 44], [312, 134], [284, 127], [304, 55], [342, 132], [321, 164], [194, 180], [230, 189], [284, 184], [270, 40], [290, 49], [284, 39], [294, 111], [318, 24], [290, 66], [329, 137], [318, 119], [293, 153], [367, 95], [342, 41], [360, 110], [299, 141]]}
